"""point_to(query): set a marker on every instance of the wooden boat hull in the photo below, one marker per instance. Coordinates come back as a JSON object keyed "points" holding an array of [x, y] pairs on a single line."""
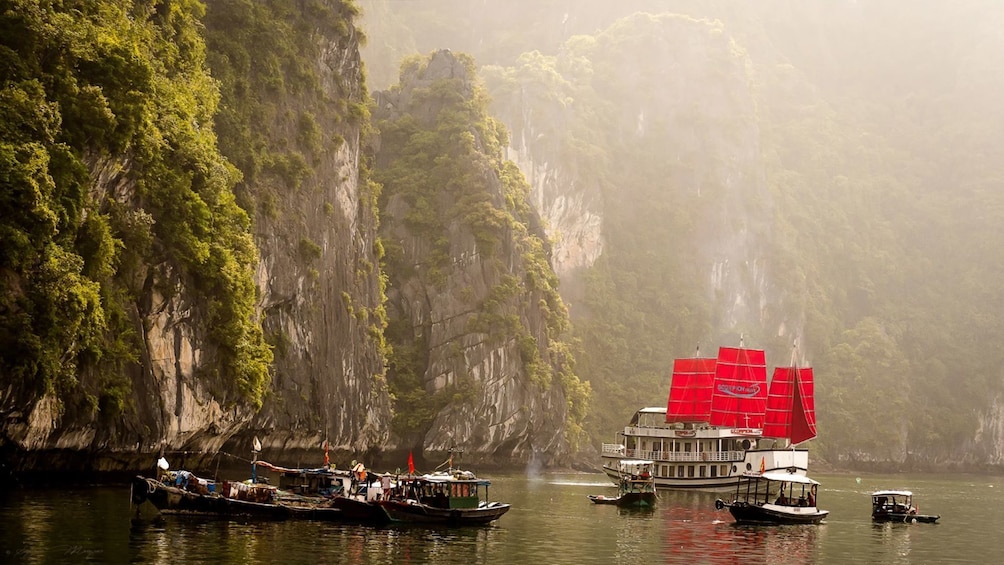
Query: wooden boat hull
{"points": [[755, 514], [415, 512], [626, 500], [905, 517], [637, 500], [173, 500], [360, 511]]}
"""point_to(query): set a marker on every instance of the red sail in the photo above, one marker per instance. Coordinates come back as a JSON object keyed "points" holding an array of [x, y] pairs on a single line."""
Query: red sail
{"points": [[739, 398], [690, 390], [791, 409]]}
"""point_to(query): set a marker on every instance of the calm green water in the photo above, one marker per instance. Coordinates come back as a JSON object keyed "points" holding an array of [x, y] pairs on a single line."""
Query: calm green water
{"points": [[551, 522]]}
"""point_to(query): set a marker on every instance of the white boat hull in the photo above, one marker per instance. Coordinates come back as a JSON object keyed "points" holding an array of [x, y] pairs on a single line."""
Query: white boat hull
{"points": [[757, 460]]}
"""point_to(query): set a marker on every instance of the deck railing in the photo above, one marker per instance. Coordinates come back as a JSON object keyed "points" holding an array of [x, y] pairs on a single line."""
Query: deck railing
{"points": [[618, 450]]}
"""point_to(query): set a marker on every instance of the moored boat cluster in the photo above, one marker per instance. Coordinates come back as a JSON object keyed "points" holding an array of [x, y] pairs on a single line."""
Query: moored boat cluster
{"points": [[452, 496]]}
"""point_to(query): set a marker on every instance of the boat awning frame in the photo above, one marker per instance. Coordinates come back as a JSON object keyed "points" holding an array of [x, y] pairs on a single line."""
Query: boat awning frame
{"points": [[787, 478], [892, 493]]}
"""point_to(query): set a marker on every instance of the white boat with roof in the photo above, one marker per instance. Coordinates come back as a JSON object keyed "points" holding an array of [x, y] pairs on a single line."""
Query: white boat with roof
{"points": [[794, 503], [897, 506]]}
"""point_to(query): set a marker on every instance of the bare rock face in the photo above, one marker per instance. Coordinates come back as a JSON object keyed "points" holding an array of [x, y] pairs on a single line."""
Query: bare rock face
{"points": [[676, 92], [462, 298], [328, 376], [319, 276]]}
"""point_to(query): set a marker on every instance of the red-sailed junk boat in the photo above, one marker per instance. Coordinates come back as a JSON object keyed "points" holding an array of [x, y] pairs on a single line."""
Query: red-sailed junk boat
{"points": [[718, 425]]}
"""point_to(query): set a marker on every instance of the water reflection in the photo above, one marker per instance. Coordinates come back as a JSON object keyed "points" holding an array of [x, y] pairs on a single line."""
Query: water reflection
{"points": [[891, 542], [695, 532], [552, 521], [174, 539]]}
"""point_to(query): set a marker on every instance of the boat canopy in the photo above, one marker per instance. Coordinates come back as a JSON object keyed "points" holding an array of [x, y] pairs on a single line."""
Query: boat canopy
{"points": [[788, 478], [892, 493], [449, 479], [633, 462]]}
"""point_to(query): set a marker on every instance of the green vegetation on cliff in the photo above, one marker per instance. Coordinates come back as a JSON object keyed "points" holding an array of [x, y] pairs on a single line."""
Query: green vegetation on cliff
{"points": [[109, 171], [445, 168]]}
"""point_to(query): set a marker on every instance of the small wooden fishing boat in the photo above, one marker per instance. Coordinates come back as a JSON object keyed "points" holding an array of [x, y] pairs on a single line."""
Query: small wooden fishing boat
{"points": [[795, 503], [451, 497], [897, 506], [184, 493], [313, 494], [636, 488]]}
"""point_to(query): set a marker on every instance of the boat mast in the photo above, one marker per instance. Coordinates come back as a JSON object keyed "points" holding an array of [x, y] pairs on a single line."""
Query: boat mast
{"points": [[791, 395]]}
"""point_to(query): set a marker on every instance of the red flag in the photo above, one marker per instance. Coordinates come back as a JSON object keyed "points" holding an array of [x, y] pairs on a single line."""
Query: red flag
{"points": [[411, 464]]}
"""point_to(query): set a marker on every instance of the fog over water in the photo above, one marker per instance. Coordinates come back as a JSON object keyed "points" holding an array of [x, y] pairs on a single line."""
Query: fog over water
{"points": [[819, 172]]}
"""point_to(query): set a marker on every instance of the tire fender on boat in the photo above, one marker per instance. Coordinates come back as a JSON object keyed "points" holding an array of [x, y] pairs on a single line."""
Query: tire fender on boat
{"points": [[139, 490], [719, 504]]}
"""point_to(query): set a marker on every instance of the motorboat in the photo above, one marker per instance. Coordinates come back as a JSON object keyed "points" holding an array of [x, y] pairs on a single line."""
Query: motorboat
{"points": [[795, 501], [897, 506]]}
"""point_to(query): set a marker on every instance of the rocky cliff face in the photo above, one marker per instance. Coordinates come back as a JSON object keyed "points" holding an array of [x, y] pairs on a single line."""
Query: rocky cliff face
{"points": [[474, 318], [988, 444], [316, 269], [679, 114], [320, 279]]}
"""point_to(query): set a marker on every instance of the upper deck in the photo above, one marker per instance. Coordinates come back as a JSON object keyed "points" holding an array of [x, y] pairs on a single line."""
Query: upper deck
{"points": [[651, 422]]}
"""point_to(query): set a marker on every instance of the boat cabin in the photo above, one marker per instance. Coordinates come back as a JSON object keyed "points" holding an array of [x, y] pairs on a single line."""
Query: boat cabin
{"points": [[311, 482], [775, 498], [892, 502], [779, 489], [636, 476], [443, 492], [898, 506]]}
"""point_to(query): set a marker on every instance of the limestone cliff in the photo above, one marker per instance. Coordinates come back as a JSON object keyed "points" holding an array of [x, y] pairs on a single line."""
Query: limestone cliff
{"points": [[189, 290], [671, 97], [475, 320], [315, 218], [643, 146]]}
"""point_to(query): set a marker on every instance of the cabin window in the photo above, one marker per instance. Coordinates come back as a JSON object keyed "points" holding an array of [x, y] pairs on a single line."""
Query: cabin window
{"points": [[703, 470], [679, 471], [686, 447], [690, 471], [724, 471], [714, 471], [665, 471]]}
